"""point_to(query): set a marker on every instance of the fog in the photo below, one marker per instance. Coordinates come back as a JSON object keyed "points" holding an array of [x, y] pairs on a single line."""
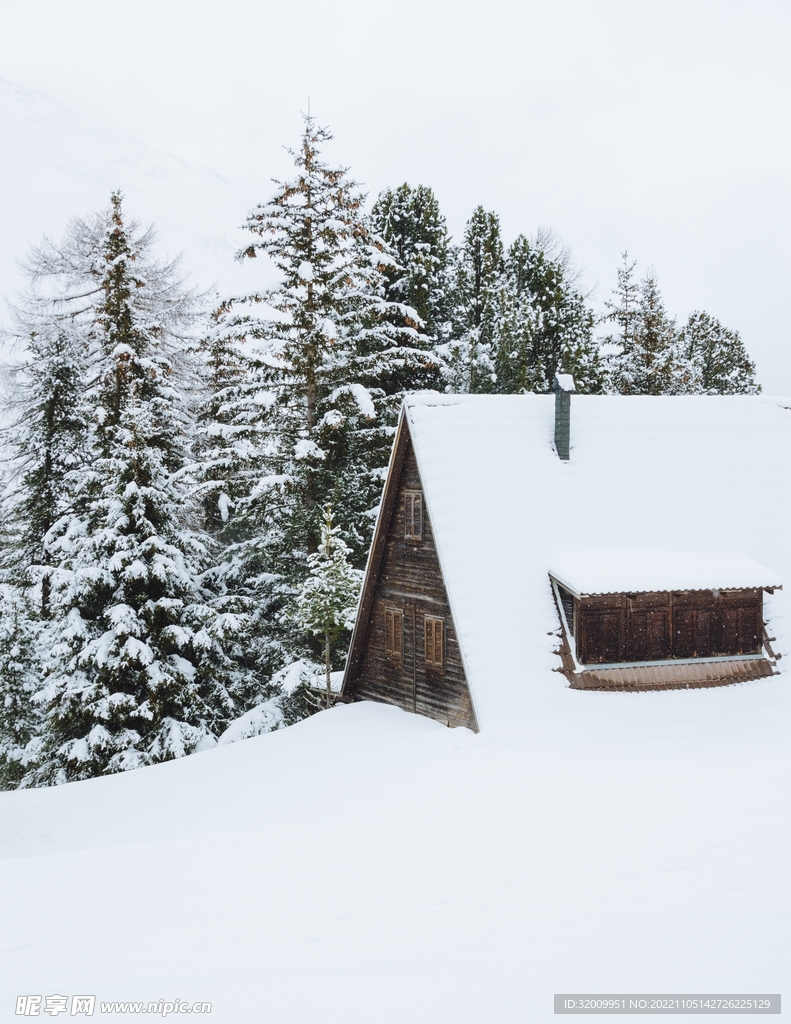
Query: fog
{"points": [[657, 129]]}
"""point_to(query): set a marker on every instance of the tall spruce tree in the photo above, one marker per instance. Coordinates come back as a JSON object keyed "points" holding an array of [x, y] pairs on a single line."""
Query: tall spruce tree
{"points": [[410, 222], [136, 664], [714, 359], [326, 360], [470, 355], [643, 357]]}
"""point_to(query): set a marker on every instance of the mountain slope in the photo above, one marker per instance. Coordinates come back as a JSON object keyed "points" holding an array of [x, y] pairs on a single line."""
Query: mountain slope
{"points": [[56, 165]]}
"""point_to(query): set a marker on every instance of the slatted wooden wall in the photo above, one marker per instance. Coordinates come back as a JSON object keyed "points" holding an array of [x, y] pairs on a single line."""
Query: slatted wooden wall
{"points": [[652, 627], [409, 579]]}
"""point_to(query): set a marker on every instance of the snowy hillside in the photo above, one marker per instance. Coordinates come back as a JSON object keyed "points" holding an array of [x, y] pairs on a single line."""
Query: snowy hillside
{"points": [[56, 165], [371, 866]]}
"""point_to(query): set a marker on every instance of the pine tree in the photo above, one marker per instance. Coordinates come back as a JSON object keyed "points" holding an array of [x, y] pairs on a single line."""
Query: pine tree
{"points": [[137, 668], [232, 442], [327, 370], [470, 355], [517, 363], [222, 439], [45, 444], [714, 359], [644, 355], [47, 441], [19, 716], [410, 222], [327, 600], [623, 308], [544, 325]]}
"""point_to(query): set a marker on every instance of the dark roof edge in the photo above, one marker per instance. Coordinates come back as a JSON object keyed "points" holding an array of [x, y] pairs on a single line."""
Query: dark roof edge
{"points": [[769, 588], [448, 594], [376, 552]]}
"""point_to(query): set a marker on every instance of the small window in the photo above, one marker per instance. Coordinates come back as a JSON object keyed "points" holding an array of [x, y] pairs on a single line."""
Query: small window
{"points": [[414, 515], [394, 634], [435, 641]]}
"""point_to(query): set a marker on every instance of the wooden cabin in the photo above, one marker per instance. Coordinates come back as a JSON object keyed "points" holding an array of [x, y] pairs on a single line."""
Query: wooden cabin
{"points": [[512, 549], [407, 653]]}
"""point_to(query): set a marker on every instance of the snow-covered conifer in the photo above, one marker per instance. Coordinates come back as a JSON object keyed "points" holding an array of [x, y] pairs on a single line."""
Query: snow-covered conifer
{"points": [[225, 435], [136, 666], [544, 325], [328, 359], [410, 221], [232, 440], [48, 438], [45, 442], [327, 599], [714, 358], [644, 353], [470, 355], [19, 716], [623, 307]]}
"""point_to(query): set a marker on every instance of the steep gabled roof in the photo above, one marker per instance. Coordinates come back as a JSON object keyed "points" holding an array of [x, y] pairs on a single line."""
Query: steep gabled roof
{"points": [[664, 474]]}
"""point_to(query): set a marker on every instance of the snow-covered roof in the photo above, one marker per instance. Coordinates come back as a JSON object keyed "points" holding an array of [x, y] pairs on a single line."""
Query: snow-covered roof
{"points": [[620, 570], [701, 475]]}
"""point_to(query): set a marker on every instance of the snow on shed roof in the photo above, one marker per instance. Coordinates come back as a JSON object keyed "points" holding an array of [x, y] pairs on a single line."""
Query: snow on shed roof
{"points": [[672, 474], [618, 571]]}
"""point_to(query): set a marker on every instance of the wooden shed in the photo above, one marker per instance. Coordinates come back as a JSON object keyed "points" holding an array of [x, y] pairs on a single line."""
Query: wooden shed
{"points": [[512, 540], [645, 619]]}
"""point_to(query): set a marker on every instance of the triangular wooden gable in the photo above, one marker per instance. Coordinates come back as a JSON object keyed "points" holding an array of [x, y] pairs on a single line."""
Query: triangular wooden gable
{"points": [[404, 603]]}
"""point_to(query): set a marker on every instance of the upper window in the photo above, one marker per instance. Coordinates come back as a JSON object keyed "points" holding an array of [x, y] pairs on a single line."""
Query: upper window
{"points": [[435, 641], [394, 634], [414, 515]]}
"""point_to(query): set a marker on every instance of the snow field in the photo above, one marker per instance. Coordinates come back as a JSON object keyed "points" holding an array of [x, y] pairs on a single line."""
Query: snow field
{"points": [[368, 865]]}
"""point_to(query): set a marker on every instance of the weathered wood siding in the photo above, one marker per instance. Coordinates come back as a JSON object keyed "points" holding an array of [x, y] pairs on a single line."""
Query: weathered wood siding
{"points": [[667, 676], [654, 627], [409, 578]]}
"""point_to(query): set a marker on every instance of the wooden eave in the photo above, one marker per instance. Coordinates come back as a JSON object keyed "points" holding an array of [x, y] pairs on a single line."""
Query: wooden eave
{"points": [[685, 590]]}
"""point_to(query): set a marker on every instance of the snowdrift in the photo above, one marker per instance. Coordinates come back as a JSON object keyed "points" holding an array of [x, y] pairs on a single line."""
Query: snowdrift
{"points": [[369, 865]]}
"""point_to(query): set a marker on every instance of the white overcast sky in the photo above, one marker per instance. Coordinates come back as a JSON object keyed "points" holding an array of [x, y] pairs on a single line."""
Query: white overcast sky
{"points": [[661, 128]]}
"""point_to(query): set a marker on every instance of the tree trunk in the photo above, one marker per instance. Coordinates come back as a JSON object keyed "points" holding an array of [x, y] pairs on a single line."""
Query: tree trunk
{"points": [[327, 666], [46, 589], [310, 375]]}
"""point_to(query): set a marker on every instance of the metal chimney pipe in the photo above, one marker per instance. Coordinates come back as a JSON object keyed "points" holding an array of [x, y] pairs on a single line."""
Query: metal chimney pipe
{"points": [[563, 386]]}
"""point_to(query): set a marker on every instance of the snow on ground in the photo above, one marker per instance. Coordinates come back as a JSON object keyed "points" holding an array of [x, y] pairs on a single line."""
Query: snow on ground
{"points": [[371, 866]]}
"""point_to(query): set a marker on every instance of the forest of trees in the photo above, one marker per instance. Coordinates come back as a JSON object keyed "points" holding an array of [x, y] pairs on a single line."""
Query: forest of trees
{"points": [[191, 485]]}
